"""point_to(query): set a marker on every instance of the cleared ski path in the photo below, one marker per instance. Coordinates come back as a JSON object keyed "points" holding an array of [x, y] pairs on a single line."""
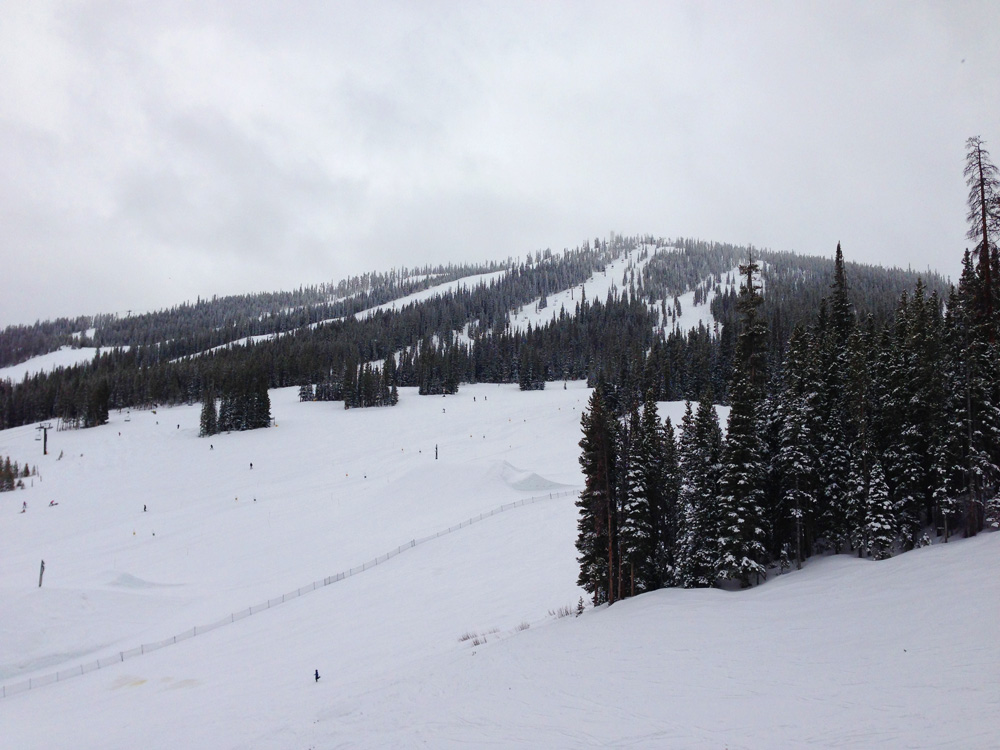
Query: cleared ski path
{"points": [[64, 674]]}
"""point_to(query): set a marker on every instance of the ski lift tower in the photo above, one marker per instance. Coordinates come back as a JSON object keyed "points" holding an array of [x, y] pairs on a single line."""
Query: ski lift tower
{"points": [[45, 427]]}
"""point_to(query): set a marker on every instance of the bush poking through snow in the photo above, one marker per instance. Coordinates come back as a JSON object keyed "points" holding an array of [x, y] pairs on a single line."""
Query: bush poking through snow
{"points": [[477, 638]]}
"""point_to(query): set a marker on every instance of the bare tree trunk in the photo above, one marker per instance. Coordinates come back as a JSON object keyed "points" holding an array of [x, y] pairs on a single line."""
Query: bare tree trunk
{"points": [[984, 253]]}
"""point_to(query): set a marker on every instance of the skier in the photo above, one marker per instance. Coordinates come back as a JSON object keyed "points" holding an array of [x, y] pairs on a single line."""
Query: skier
{"points": [[143, 508], [24, 507], [52, 503], [317, 675], [251, 466]]}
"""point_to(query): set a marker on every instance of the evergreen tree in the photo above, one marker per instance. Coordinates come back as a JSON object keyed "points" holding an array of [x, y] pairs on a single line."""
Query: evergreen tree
{"points": [[742, 524], [597, 538], [799, 445], [644, 519], [634, 513], [972, 424], [667, 517], [880, 517], [227, 416], [699, 459], [96, 408], [209, 417], [832, 525], [950, 478], [742, 516], [984, 223]]}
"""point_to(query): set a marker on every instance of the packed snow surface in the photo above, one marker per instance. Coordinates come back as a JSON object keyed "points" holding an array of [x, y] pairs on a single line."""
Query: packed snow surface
{"points": [[439, 290], [65, 356], [595, 289], [455, 642]]}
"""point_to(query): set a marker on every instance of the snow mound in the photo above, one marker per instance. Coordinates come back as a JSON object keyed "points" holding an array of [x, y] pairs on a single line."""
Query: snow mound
{"points": [[126, 580], [527, 481]]}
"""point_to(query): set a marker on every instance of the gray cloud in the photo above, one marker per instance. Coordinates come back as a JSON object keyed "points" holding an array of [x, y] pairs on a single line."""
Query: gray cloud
{"points": [[151, 152]]}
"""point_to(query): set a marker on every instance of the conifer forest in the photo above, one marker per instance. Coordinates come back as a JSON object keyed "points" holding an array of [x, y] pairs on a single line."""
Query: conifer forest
{"points": [[865, 435]]}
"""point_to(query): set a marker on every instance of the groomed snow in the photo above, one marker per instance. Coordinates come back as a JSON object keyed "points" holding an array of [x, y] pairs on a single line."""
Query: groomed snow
{"points": [[467, 282], [595, 288], [846, 653], [65, 356]]}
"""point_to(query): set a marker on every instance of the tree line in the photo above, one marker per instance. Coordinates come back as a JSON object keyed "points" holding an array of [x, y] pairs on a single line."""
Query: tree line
{"points": [[12, 475], [464, 335]]}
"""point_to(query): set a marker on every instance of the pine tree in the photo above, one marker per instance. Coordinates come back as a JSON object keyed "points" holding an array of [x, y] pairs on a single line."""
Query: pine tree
{"points": [[597, 538], [835, 467], [261, 406], [699, 460], [880, 517], [634, 533], [797, 460], [667, 524], [984, 223], [742, 517], [920, 416], [642, 534], [227, 418], [832, 431], [742, 524], [975, 377], [209, 418]]}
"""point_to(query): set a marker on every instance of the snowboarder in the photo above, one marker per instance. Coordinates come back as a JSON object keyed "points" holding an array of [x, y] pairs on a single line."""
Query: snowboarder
{"points": [[52, 503], [317, 675]]}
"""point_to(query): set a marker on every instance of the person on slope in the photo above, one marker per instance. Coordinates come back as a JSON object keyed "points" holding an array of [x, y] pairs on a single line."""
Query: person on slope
{"points": [[317, 675]]}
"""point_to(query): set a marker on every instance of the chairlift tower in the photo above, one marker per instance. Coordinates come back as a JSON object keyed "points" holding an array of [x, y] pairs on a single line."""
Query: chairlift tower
{"points": [[44, 428]]}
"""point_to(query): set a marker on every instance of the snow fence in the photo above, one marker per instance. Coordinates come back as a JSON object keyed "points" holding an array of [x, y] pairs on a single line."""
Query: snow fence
{"points": [[108, 661]]}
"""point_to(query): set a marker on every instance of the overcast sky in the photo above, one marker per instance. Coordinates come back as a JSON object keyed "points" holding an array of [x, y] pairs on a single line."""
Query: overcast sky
{"points": [[154, 152]]}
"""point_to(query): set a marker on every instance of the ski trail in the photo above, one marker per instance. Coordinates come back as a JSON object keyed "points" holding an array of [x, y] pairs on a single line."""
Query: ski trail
{"points": [[62, 675]]}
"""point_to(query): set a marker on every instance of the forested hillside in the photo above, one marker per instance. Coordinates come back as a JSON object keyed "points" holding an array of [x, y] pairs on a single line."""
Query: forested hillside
{"points": [[313, 338]]}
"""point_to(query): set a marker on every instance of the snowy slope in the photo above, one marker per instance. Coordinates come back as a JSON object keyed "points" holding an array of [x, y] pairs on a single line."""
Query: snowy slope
{"points": [[813, 659], [595, 288], [692, 315], [467, 282], [65, 357]]}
